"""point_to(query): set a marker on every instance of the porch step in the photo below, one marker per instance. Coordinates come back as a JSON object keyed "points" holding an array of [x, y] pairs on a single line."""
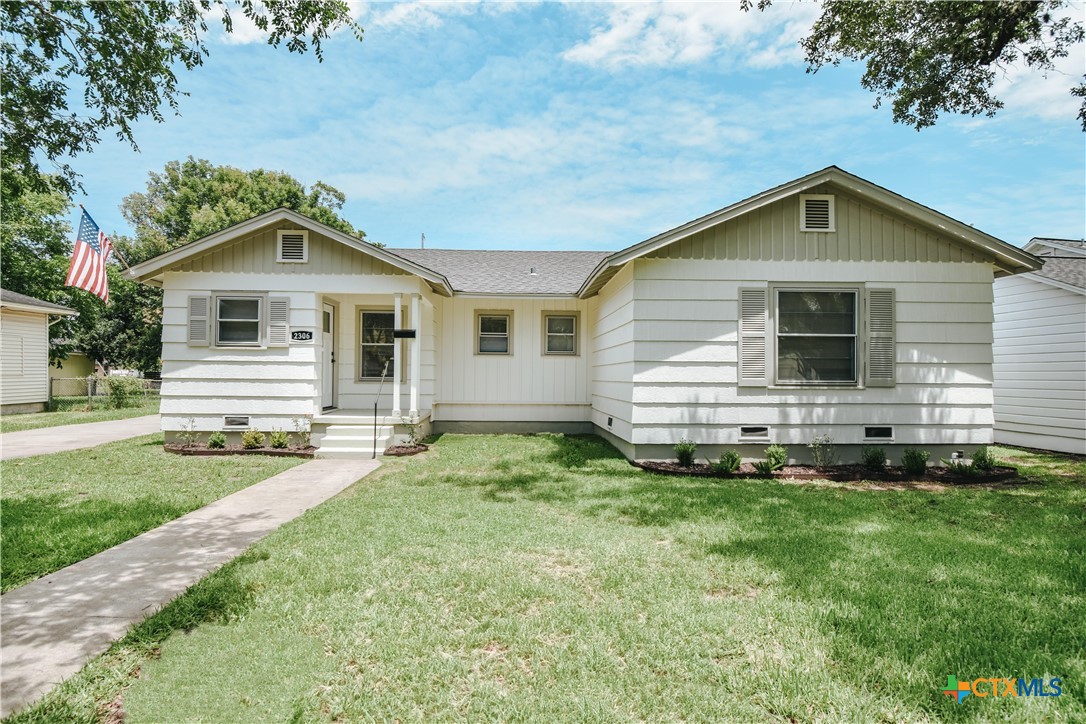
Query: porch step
{"points": [[353, 441]]}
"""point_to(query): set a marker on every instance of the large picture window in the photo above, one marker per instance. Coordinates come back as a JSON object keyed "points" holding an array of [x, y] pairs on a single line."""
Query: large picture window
{"points": [[817, 336], [238, 321], [376, 348]]}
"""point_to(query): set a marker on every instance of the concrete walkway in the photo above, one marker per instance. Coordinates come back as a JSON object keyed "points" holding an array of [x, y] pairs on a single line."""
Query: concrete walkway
{"points": [[72, 437], [54, 625]]}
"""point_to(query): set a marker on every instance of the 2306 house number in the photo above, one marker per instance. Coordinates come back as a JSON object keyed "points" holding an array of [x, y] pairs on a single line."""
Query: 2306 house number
{"points": [[302, 335]]}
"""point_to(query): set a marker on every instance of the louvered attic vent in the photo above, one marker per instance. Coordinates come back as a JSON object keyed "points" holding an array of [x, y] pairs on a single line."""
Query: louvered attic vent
{"points": [[292, 246], [816, 212]]}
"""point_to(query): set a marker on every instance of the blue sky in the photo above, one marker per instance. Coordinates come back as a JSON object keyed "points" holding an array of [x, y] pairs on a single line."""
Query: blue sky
{"points": [[591, 126]]}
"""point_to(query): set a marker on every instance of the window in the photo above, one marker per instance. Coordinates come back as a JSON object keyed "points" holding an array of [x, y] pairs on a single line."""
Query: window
{"points": [[560, 334], [817, 336], [238, 321], [493, 333], [376, 348]]}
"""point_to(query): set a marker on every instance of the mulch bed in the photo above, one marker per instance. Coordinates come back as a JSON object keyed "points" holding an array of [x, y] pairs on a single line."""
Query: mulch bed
{"points": [[399, 451], [838, 473], [303, 452]]}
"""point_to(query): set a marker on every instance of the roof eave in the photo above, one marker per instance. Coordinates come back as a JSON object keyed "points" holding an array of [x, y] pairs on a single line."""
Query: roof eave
{"points": [[40, 310]]}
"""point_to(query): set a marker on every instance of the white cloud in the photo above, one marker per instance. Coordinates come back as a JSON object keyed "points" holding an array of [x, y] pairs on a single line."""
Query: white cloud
{"points": [[665, 33]]}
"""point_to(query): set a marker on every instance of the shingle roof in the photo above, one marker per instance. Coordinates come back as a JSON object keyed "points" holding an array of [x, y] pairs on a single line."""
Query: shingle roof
{"points": [[16, 298], [508, 272], [1060, 265]]}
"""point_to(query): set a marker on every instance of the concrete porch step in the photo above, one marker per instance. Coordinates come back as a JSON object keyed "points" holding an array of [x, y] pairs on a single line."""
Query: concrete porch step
{"points": [[349, 453]]}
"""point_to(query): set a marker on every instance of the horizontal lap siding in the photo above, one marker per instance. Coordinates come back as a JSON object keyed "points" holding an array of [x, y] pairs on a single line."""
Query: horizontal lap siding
{"points": [[1040, 365], [684, 364], [612, 316], [24, 357]]}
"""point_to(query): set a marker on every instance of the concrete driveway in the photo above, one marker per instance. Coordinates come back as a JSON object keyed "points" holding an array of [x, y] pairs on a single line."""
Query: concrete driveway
{"points": [[73, 437]]}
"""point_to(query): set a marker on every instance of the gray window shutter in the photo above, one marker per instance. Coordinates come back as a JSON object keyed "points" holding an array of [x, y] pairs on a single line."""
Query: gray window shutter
{"points": [[199, 326], [279, 321], [752, 337], [880, 361]]}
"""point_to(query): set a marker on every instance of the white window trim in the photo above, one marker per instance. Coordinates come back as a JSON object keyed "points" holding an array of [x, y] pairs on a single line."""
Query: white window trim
{"points": [[859, 335], [508, 314], [262, 320], [576, 317], [803, 198], [279, 246]]}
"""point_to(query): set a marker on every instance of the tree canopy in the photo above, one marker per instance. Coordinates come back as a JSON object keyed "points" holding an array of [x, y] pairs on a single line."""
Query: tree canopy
{"points": [[929, 58], [120, 58]]}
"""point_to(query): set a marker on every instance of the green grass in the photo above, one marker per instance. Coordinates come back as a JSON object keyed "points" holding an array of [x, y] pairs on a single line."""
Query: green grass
{"points": [[543, 578], [37, 420], [61, 508]]}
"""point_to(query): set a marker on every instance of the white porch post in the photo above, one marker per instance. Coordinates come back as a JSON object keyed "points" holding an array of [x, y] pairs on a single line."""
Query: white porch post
{"points": [[416, 357], [397, 320]]}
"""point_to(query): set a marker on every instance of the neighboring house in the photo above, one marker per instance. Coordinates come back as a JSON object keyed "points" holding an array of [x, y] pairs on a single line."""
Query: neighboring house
{"points": [[1040, 351], [825, 306], [76, 365], [24, 351]]}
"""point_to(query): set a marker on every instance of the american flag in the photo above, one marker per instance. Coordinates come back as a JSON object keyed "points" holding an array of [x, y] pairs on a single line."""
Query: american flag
{"points": [[88, 269]]}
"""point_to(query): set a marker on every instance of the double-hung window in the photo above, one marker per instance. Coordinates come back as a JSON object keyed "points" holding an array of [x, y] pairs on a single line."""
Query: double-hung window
{"points": [[238, 321], [817, 336], [560, 334], [376, 348], [493, 333]]}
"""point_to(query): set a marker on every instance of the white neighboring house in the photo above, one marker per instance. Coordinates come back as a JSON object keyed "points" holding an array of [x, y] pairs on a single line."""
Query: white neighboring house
{"points": [[24, 351], [827, 305], [1040, 351]]}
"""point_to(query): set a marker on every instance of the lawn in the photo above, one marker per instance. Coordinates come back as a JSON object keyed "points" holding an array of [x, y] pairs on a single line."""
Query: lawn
{"points": [[37, 420], [61, 508], [543, 578]]}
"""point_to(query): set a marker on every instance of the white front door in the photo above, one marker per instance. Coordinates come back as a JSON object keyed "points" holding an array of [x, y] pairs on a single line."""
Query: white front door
{"points": [[328, 363]]}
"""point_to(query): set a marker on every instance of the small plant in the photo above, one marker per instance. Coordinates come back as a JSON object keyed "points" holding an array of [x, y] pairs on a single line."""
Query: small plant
{"points": [[764, 468], [252, 439], [957, 467], [823, 451], [729, 462], [217, 441], [777, 456], [873, 457], [303, 428], [983, 459], [414, 433], [915, 461], [684, 451], [188, 435], [125, 392], [279, 439]]}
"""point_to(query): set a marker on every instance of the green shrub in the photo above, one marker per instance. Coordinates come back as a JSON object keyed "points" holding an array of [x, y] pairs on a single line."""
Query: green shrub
{"points": [[729, 462], [217, 441], [777, 456], [252, 439], [957, 467], [823, 451], [125, 392], [764, 468], [983, 459], [915, 461], [873, 457], [684, 451], [279, 438]]}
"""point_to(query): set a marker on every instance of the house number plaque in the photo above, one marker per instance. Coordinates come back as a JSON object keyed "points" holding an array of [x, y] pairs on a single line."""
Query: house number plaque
{"points": [[301, 336]]}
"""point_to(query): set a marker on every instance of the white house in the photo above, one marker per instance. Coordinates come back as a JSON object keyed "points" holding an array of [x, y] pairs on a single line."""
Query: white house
{"points": [[24, 351], [1040, 351], [827, 305]]}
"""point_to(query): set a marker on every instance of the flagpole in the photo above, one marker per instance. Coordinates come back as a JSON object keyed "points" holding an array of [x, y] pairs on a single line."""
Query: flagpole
{"points": [[115, 249]]}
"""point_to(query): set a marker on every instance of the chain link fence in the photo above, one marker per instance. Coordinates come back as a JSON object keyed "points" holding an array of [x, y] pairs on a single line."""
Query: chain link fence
{"points": [[92, 393]]}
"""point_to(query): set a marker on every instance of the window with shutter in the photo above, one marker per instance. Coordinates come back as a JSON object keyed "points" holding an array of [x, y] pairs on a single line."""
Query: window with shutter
{"points": [[816, 212], [279, 322], [292, 246], [752, 337], [199, 322], [881, 362], [238, 320], [817, 336]]}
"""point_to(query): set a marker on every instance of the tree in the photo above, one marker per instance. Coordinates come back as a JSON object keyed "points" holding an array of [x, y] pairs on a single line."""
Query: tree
{"points": [[128, 333], [120, 57], [929, 58]]}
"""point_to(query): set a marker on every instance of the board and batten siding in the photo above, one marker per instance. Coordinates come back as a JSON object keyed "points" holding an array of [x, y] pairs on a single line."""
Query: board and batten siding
{"points": [[526, 386], [1040, 365], [24, 357], [612, 335]]}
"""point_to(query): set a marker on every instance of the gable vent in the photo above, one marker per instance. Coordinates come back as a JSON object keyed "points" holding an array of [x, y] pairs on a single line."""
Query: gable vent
{"points": [[816, 212], [293, 246]]}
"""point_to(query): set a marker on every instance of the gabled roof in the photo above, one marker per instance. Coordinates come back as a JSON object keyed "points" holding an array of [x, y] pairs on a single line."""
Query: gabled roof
{"points": [[508, 272], [153, 267], [1010, 259], [24, 303], [1064, 262]]}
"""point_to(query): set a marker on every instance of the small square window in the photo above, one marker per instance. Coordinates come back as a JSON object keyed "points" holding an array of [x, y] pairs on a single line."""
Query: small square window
{"points": [[238, 321], [560, 334], [493, 333]]}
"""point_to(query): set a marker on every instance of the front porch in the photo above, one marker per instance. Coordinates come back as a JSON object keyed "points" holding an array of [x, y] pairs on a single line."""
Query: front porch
{"points": [[356, 433]]}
